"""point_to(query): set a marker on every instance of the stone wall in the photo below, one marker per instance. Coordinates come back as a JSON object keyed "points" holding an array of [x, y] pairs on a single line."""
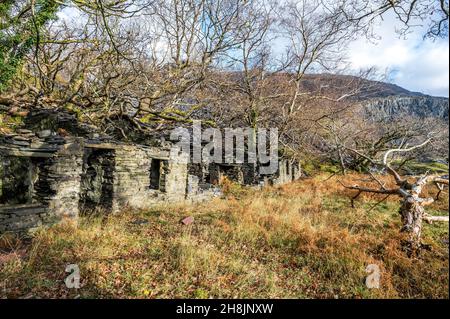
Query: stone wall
{"points": [[288, 171], [58, 184], [22, 218], [49, 186], [233, 172], [284, 173], [297, 170], [200, 186], [176, 179], [132, 179], [62, 177], [132, 186]]}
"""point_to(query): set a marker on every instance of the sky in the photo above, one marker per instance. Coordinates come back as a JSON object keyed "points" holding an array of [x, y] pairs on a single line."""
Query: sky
{"points": [[414, 63]]}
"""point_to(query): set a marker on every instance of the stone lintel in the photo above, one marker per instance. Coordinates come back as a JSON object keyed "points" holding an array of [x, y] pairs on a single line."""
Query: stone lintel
{"points": [[27, 153]]}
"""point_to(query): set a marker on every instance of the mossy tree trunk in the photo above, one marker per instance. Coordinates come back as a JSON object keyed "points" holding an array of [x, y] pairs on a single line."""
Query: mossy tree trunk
{"points": [[412, 213]]}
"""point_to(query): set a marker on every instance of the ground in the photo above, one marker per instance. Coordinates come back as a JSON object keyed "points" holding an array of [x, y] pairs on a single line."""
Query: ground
{"points": [[301, 240]]}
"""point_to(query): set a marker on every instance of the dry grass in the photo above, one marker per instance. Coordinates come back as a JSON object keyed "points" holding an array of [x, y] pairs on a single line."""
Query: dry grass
{"points": [[297, 241]]}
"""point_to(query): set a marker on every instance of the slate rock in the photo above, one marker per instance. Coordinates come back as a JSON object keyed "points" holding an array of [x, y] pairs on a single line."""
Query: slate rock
{"points": [[44, 133], [20, 138], [188, 220]]}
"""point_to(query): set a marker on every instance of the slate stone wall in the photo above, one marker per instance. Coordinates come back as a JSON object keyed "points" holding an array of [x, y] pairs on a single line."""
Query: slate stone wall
{"points": [[59, 182], [176, 179], [22, 218], [132, 178], [288, 171], [66, 177], [54, 188]]}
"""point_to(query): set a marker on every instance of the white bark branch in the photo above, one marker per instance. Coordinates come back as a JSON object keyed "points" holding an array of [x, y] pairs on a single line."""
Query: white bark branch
{"points": [[393, 172], [430, 219]]}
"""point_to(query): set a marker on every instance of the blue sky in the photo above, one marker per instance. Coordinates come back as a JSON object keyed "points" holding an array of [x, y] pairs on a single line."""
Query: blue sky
{"points": [[414, 63]]}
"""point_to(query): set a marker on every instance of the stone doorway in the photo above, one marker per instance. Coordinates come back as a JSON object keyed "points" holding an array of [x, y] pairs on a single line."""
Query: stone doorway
{"points": [[18, 174], [232, 172], [158, 173], [97, 181]]}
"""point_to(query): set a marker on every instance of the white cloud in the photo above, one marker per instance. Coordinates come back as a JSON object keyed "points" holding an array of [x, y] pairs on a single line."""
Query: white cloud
{"points": [[414, 63]]}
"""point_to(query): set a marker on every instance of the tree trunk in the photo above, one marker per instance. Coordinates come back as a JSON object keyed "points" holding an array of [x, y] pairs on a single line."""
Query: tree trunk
{"points": [[342, 162], [412, 213]]}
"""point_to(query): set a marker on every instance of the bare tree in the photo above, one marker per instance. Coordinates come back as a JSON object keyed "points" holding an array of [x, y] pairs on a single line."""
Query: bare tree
{"points": [[317, 37], [433, 14], [412, 208], [140, 71], [136, 67]]}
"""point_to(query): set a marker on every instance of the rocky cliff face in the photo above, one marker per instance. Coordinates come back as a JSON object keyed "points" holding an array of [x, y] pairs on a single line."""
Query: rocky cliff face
{"points": [[381, 99], [420, 106]]}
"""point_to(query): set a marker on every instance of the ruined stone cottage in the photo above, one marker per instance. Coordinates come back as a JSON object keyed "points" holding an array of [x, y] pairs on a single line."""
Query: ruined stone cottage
{"points": [[56, 169]]}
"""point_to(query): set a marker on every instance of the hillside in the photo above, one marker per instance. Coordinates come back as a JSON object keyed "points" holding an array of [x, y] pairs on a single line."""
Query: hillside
{"points": [[301, 240], [383, 99]]}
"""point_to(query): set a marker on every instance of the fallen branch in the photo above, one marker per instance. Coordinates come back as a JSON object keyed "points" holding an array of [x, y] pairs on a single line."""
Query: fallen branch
{"points": [[372, 190], [430, 219], [412, 208]]}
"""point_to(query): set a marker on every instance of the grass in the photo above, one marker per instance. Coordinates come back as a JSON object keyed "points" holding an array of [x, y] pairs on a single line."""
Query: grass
{"points": [[300, 240], [433, 167], [421, 167]]}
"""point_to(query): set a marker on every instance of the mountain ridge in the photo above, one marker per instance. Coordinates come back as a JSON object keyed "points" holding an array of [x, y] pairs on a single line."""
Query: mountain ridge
{"points": [[383, 99]]}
